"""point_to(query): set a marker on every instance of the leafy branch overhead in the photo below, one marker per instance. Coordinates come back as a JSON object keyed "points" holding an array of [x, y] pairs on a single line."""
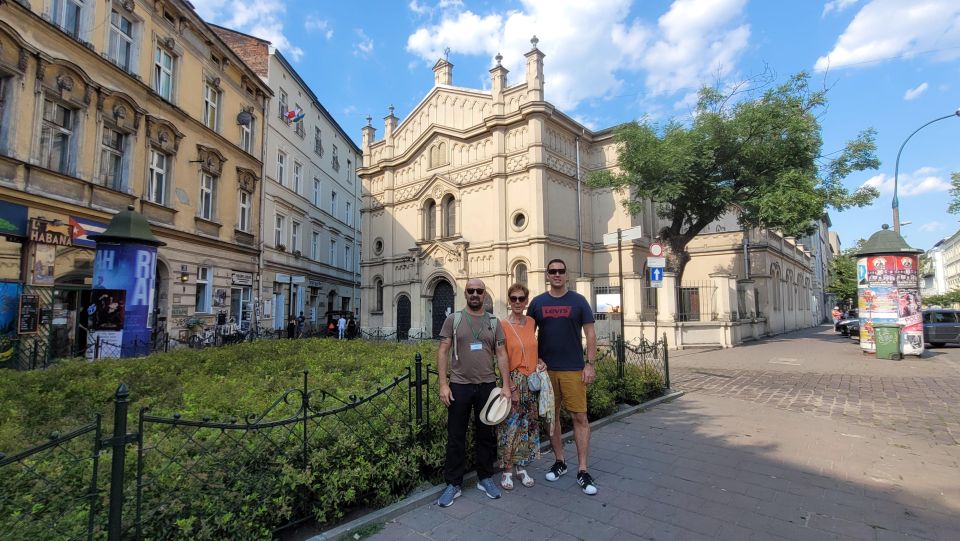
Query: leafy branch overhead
{"points": [[760, 157]]}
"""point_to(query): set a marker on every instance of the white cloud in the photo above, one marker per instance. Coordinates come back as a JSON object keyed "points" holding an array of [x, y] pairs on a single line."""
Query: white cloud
{"points": [[260, 18], [363, 47], [315, 24], [836, 5], [914, 93], [692, 44], [932, 227], [886, 29], [921, 181]]}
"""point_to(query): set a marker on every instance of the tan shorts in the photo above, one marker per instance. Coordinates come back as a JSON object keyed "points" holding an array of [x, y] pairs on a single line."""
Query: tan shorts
{"points": [[569, 390]]}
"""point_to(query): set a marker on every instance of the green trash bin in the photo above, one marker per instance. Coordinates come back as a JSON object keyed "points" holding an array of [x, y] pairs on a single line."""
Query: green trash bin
{"points": [[887, 338]]}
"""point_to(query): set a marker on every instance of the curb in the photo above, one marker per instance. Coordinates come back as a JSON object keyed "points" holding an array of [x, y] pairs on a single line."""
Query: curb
{"points": [[428, 496]]}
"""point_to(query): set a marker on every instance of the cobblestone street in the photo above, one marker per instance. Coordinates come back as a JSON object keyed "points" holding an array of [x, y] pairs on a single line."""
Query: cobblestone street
{"points": [[796, 437], [822, 377]]}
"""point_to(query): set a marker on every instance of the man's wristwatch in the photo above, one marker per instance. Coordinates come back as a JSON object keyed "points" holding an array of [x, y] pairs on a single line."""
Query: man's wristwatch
{"points": [[591, 363]]}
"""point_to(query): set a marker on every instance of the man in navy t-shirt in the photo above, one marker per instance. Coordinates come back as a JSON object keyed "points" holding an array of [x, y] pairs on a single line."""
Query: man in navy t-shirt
{"points": [[561, 315]]}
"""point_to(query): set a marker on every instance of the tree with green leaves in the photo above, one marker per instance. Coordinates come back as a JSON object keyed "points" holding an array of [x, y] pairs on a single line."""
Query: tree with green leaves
{"points": [[756, 153], [843, 275], [954, 207]]}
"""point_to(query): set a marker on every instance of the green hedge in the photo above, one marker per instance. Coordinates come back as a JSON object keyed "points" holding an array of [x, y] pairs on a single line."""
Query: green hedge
{"points": [[211, 483]]}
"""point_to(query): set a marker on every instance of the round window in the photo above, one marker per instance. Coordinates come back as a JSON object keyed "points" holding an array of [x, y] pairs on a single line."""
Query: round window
{"points": [[378, 246], [519, 220]]}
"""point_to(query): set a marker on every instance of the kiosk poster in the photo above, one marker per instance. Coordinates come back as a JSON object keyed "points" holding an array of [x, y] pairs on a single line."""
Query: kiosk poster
{"points": [[905, 269], [130, 268], [878, 302], [881, 270], [911, 322]]}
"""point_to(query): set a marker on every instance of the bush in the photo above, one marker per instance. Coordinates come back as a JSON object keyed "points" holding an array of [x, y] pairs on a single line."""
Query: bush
{"points": [[227, 478]]}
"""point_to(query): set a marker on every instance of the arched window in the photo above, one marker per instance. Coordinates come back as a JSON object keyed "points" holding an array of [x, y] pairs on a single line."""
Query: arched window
{"points": [[378, 287], [449, 216], [430, 220], [520, 273]]}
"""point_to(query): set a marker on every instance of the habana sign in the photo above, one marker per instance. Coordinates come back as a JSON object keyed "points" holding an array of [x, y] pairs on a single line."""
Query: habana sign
{"points": [[44, 232]]}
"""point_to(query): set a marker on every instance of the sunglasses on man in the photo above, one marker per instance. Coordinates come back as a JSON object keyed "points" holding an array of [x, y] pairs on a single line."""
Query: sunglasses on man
{"points": [[556, 271], [475, 291]]}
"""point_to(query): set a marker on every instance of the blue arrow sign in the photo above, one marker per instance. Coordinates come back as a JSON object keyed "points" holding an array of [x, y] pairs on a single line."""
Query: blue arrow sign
{"points": [[656, 274]]}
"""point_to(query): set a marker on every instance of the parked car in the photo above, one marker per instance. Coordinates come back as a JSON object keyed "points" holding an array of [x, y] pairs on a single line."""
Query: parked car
{"points": [[941, 326], [853, 329], [842, 325]]}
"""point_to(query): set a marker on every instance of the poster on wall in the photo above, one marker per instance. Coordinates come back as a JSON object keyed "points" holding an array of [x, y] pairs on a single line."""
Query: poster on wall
{"points": [[44, 258], [862, 272], [9, 311], [911, 322], [28, 314], [608, 303], [905, 269], [878, 302], [881, 270], [132, 269]]}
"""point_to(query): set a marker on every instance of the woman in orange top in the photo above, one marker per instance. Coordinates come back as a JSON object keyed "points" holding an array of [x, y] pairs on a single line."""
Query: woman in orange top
{"points": [[519, 434]]}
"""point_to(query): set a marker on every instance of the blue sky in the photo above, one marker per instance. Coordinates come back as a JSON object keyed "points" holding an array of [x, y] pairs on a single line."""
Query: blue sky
{"points": [[890, 64]]}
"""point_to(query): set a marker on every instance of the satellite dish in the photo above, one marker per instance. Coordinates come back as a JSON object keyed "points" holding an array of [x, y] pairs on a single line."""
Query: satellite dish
{"points": [[244, 118]]}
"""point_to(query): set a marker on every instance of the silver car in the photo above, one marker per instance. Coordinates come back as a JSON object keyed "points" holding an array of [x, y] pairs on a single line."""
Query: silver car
{"points": [[941, 326]]}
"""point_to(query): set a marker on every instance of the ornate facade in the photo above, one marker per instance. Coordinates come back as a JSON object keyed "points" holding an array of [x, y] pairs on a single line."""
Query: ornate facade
{"points": [[489, 184], [110, 104]]}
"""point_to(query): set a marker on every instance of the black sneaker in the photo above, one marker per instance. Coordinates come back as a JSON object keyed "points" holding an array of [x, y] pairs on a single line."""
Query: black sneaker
{"points": [[585, 480], [559, 468]]}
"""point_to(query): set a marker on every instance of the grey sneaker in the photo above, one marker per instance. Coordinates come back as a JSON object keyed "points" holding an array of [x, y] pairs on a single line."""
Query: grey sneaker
{"points": [[489, 488], [451, 493]]}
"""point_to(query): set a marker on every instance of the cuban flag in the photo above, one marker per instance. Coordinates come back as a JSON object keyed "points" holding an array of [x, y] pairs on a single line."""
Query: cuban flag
{"points": [[83, 227]]}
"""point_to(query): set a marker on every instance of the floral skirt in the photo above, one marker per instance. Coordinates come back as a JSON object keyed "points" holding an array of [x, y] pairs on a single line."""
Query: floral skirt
{"points": [[518, 437]]}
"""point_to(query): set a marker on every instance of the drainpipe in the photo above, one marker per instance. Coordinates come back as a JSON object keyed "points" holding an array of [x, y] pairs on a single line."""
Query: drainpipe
{"points": [[579, 220], [258, 298], [356, 232]]}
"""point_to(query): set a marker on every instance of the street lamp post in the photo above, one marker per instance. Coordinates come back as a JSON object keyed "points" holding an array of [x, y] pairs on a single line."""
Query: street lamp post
{"points": [[896, 169]]}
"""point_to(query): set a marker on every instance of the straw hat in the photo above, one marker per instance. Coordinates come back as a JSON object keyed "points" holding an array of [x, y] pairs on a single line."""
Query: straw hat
{"points": [[496, 409]]}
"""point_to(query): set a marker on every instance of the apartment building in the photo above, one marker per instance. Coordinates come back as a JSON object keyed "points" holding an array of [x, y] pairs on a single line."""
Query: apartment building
{"points": [[106, 105], [311, 248]]}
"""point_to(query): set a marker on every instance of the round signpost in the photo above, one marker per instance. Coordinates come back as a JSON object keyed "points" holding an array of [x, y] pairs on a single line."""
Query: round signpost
{"points": [[656, 249]]}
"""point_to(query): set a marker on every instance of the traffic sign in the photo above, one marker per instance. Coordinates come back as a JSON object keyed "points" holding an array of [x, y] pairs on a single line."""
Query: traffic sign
{"points": [[656, 262], [633, 233], [656, 249], [656, 274]]}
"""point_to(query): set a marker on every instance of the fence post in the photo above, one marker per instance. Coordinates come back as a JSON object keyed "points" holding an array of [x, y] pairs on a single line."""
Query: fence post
{"points": [[305, 406], [418, 389], [96, 348], [118, 446], [33, 357], [666, 362]]}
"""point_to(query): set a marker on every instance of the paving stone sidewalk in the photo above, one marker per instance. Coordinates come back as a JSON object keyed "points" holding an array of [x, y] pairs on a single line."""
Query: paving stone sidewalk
{"points": [[713, 467]]}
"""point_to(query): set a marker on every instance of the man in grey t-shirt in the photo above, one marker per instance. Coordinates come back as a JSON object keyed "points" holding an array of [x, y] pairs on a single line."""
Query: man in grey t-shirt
{"points": [[478, 341]]}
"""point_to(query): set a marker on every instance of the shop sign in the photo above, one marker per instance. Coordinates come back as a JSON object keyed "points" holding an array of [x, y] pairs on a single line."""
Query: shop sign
{"points": [[242, 278], [29, 314], [316, 283], [13, 220], [178, 310], [44, 232]]}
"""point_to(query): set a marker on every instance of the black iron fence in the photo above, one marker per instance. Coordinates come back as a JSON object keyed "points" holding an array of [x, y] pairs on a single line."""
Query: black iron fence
{"points": [[310, 456]]}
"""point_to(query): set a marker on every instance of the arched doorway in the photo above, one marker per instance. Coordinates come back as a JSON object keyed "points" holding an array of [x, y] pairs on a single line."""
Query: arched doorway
{"points": [[442, 301], [160, 287], [403, 317]]}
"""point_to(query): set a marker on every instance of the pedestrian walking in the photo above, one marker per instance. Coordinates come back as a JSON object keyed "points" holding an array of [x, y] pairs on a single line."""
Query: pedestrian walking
{"points": [[518, 437], [301, 322], [291, 327], [470, 340], [561, 316], [341, 327]]}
